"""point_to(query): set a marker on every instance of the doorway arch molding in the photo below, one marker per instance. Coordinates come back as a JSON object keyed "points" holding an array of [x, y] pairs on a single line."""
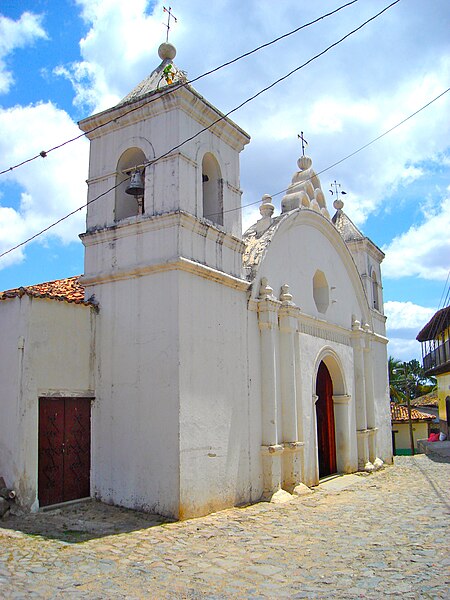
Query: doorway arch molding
{"points": [[333, 363], [342, 403]]}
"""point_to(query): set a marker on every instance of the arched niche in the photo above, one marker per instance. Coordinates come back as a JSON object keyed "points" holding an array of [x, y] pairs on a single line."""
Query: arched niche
{"points": [[212, 189], [127, 205]]}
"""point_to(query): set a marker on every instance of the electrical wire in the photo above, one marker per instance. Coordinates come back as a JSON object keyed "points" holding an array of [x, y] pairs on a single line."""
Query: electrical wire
{"points": [[231, 209], [44, 153], [315, 57], [346, 157], [211, 125]]}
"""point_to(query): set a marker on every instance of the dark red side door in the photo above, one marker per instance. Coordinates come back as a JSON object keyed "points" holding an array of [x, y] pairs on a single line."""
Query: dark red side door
{"points": [[326, 438], [64, 462]]}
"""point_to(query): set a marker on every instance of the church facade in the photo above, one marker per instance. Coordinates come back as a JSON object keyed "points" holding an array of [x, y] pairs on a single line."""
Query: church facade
{"points": [[193, 368]]}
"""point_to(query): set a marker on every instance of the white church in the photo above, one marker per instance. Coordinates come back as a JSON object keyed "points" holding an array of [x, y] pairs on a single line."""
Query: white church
{"points": [[192, 367]]}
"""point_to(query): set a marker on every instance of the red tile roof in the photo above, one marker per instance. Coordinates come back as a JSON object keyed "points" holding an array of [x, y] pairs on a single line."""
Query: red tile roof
{"points": [[399, 413], [69, 290]]}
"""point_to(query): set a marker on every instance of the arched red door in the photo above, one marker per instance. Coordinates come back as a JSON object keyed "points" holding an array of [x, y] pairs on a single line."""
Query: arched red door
{"points": [[326, 438]]}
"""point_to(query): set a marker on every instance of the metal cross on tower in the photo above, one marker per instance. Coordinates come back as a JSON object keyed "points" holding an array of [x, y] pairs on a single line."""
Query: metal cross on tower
{"points": [[169, 15], [304, 142], [335, 190]]}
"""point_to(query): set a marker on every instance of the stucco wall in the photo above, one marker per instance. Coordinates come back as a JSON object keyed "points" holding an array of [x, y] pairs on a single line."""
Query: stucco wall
{"points": [[13, 322], [56, 360], [136, 440], [215, 432]]}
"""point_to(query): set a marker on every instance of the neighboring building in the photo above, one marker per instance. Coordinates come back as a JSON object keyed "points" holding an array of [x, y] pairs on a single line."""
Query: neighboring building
{"points": [[192, 368], [400, 427], [429, 404], [435, 341]]}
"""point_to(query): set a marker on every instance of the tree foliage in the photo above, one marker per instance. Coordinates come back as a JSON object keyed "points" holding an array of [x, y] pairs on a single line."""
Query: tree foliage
{"points": [[408, 379]]}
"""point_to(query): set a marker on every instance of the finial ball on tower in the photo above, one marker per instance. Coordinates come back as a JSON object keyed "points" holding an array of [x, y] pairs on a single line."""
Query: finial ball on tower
{"points": [[304, 162], [338, 204], [167, 50]]}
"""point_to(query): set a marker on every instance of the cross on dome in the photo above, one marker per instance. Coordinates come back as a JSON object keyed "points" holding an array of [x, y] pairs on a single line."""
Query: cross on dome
{"points": [[169, 16], [304, 142]]}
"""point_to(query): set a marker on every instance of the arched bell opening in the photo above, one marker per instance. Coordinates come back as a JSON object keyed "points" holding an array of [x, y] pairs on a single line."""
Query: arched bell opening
{"points": [[212, 189], [130, 188], [325, 421]]}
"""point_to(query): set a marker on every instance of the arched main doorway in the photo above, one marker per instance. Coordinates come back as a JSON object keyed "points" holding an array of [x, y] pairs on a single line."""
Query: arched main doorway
{"points": [[326, 435]]}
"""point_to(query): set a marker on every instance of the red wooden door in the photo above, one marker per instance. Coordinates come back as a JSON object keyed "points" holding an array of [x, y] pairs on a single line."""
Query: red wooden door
{"points": [[326, 438], [64, 449]]}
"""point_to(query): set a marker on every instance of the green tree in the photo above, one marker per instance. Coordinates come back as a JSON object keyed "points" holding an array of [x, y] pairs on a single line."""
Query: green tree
{"points": [[408, 379]]}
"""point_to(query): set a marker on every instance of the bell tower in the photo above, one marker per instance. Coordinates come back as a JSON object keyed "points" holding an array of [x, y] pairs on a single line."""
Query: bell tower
{"points": [[184, 154], [163, 260]]}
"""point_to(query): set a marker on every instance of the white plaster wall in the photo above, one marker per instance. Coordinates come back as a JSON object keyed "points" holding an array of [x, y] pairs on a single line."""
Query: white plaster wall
{"points": [[296, 253], [136, 442], [13, 323], [382, 402], [215, 431], [56, 360], [140, 243]]}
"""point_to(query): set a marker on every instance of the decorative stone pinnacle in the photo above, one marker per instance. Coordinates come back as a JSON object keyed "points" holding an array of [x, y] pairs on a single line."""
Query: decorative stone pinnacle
{"points": [[285, 295], [266, 209], [265, 291], [356, 325]]}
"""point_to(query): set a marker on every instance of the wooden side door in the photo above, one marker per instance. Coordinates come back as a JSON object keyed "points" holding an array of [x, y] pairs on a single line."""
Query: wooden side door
{"points": [[77, 448], [50, 455], [326, 437], [64, 456]]}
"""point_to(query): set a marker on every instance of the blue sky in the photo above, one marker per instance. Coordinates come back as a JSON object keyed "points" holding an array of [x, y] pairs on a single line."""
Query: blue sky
{"points": [[61, 61]]}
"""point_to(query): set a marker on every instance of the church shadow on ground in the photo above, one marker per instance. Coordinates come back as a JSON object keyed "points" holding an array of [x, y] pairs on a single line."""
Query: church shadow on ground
{"points": [[81, 522]]}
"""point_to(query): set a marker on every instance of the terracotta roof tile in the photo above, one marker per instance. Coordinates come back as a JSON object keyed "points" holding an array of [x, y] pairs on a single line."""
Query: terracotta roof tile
{"points": [[400, 413], [69, 290]]}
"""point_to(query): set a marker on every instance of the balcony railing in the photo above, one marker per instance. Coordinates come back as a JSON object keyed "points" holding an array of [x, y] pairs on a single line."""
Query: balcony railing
{"points": [[437, 358]]}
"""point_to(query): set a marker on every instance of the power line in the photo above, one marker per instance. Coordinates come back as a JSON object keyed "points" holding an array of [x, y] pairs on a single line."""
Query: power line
{"points": [[44, 153], [231, 209], [375, 139], [445, 292], [207, 128], [316, 56]]}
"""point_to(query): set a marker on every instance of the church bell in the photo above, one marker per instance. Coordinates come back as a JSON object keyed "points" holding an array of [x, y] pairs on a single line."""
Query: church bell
{"points": [[136, 185]]}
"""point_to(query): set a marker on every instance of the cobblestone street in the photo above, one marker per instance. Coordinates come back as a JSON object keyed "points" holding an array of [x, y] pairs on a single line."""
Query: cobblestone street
{"points": [[353, 537]]}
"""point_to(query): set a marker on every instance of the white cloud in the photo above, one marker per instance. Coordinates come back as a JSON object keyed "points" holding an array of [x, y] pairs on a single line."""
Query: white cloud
{"points": [[121, 42], [401, 315], [13, 35], [423, 250], [48, 187], [404, 321], [404, 349]]}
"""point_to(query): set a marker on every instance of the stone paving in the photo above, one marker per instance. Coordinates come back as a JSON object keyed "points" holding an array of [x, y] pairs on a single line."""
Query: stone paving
{"points": [[382, 535]]}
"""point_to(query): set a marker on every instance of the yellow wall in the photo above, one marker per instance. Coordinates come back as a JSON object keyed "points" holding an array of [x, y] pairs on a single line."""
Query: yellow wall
{"points": [[420, 432], [443, 391]]}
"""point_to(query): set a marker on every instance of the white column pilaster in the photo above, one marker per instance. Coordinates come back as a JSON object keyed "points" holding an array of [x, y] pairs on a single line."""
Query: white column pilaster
{"points": [[360, 394], [271, 449], [288, 314]]}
